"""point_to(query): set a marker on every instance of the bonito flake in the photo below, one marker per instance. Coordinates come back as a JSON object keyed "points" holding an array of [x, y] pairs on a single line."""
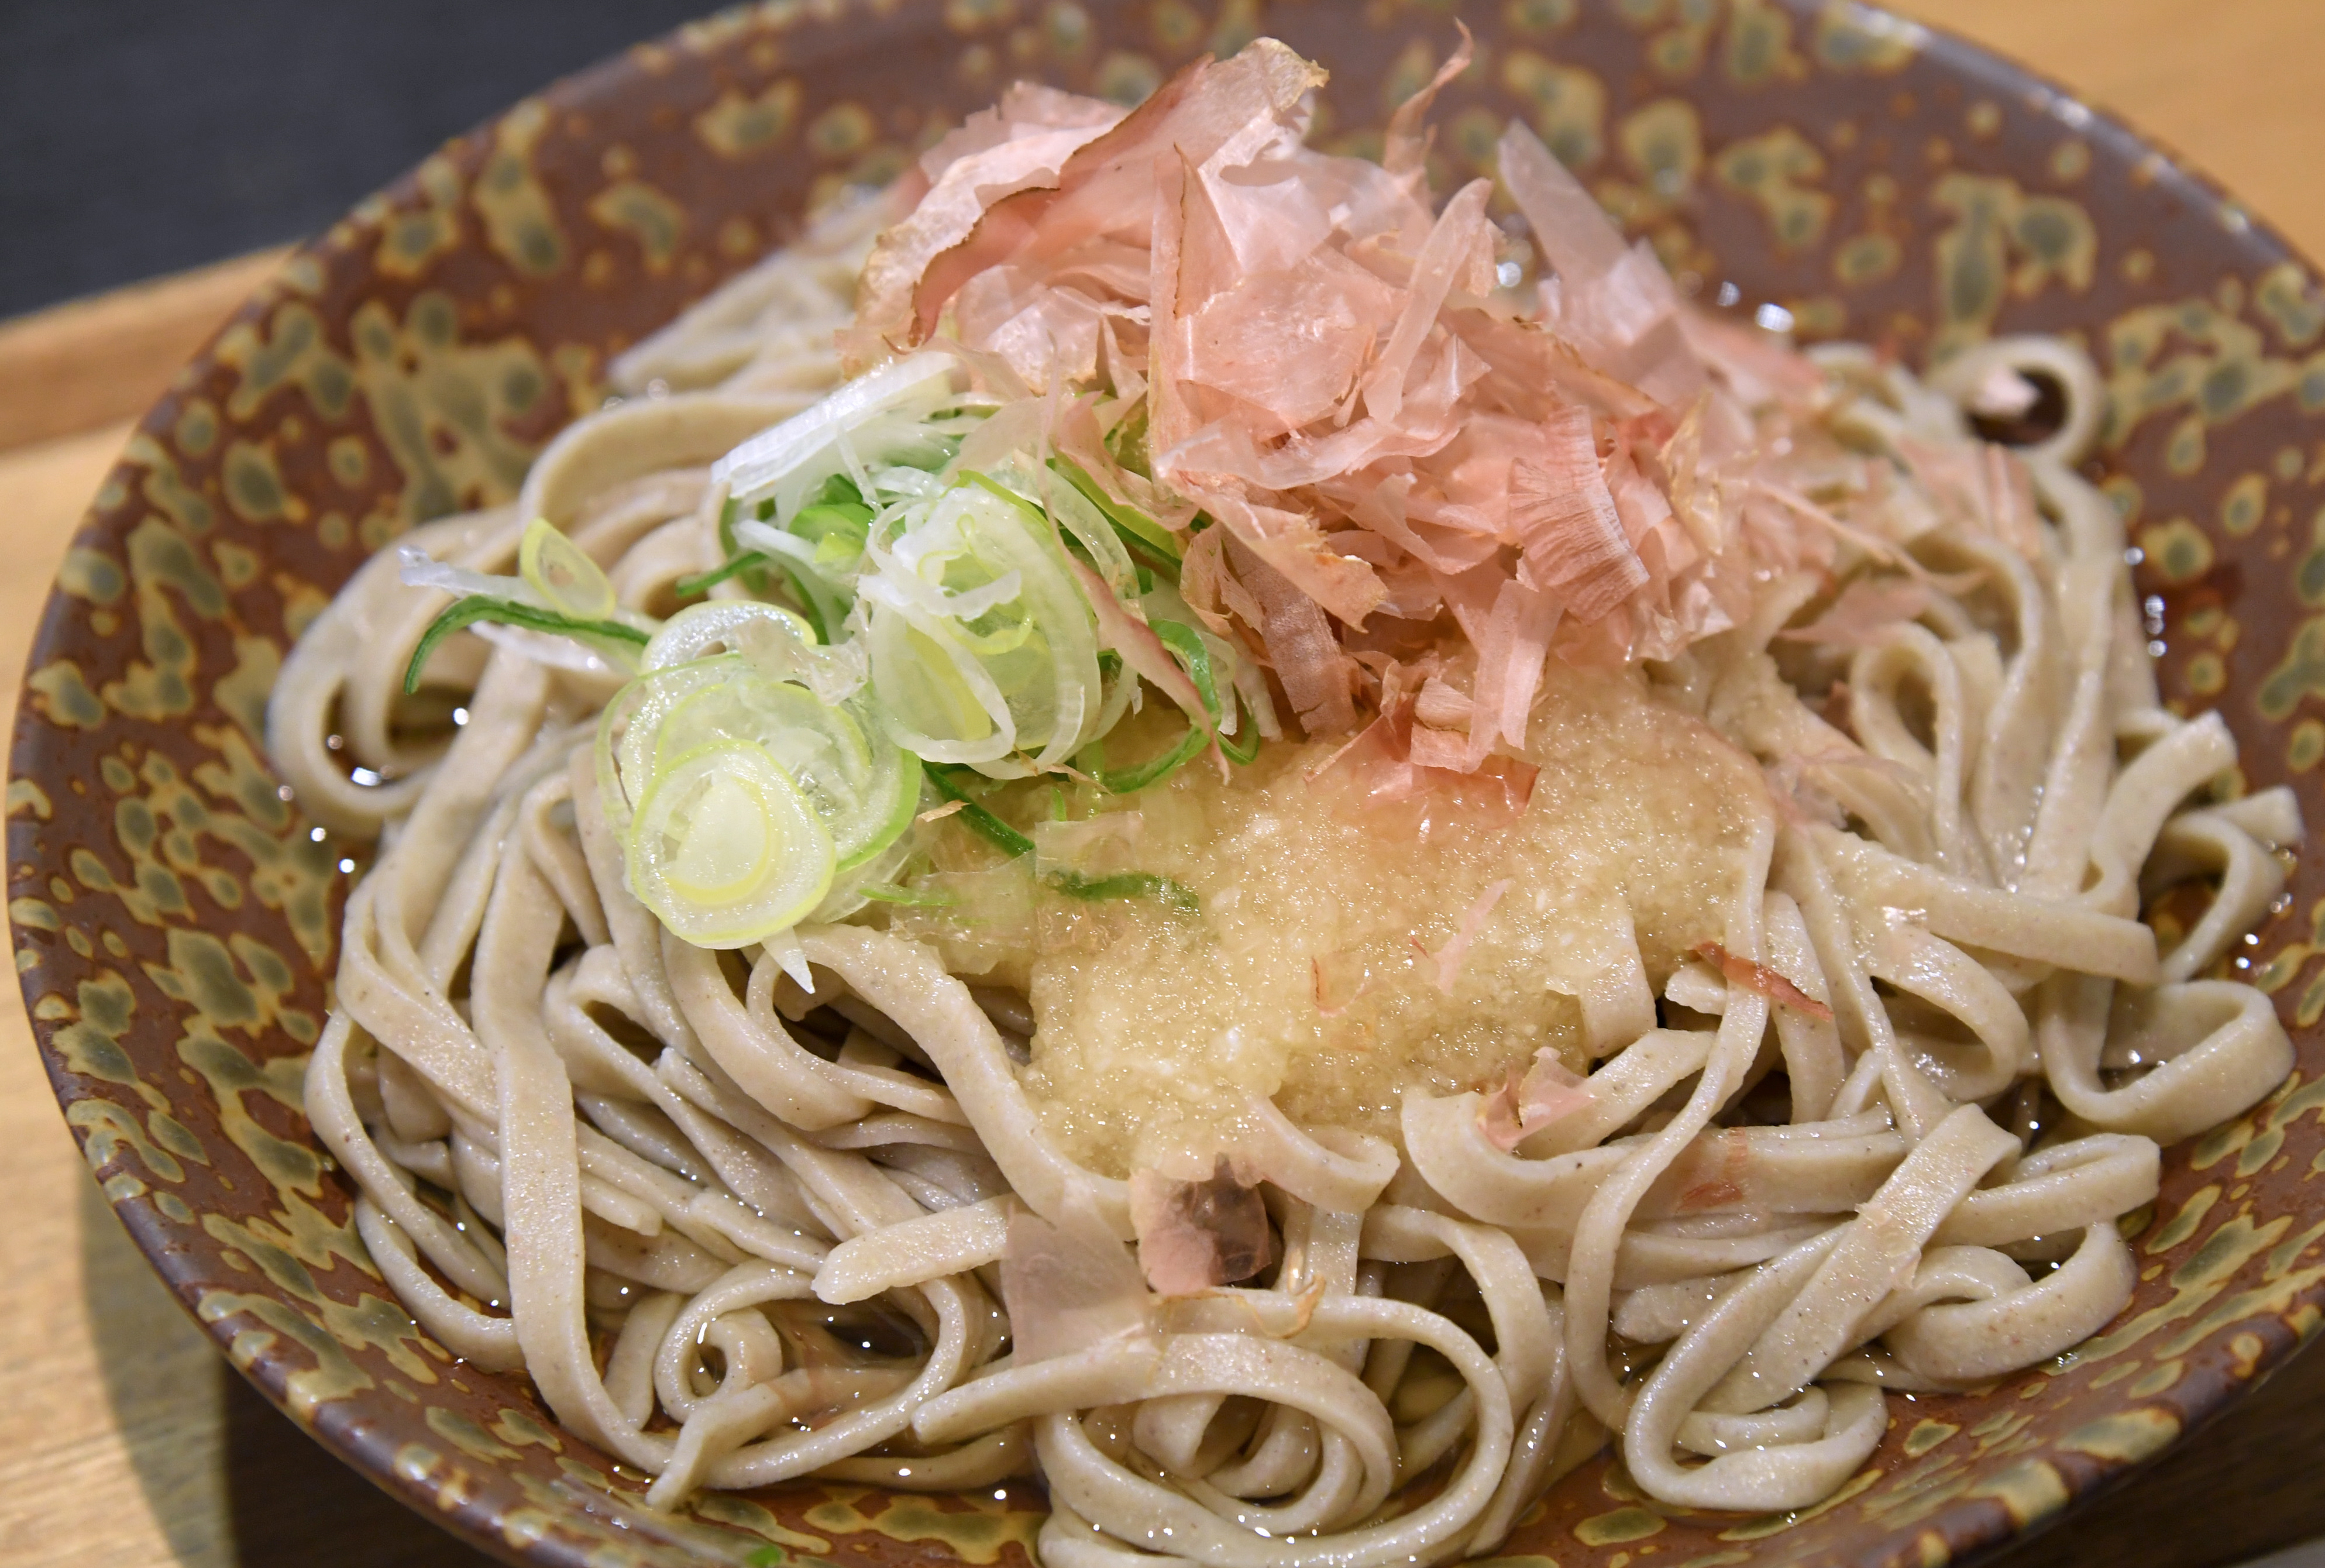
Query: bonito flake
{"points": [[1322, 364]]}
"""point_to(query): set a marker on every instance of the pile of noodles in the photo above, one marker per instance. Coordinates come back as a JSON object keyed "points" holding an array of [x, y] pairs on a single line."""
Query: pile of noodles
{"points": [[738, 1232]]}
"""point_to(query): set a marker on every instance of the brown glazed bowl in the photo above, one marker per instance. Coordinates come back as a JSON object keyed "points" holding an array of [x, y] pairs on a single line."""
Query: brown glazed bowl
{"points": [[175, 919]]}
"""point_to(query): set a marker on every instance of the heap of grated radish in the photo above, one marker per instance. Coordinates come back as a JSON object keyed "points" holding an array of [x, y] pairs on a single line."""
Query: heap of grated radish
{"points": [[1357, 937]]}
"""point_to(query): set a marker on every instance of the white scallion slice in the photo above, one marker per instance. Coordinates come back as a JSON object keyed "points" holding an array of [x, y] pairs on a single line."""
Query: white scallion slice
{"points": [[1079, 516], [878, 418], [561, 572], [631, 722], [717, 624], [861, 785], [727, 848], [935, 698], [779, 643], [418, 569], [1051, 679], [980, 640]]}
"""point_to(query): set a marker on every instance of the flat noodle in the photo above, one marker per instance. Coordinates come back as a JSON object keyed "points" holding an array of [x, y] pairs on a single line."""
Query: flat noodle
{"points": [[585, 1148]]}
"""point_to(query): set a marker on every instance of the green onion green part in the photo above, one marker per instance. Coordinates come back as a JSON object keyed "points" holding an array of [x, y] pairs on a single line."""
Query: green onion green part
{"points": [[1074, 885], [1124, 781], [1141, 535], [1184, 642], [466, 612], [984, 823], [696, 587], [1188, 644], [752, 567], [1126, 884], [1243, 755], [825, 609]]}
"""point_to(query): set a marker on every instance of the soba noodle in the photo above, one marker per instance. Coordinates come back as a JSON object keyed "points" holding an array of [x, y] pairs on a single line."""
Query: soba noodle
{"points": [[755, 1214]]}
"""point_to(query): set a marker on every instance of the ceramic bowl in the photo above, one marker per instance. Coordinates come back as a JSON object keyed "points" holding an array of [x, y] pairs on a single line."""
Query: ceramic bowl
{"points": [[175, 919]]}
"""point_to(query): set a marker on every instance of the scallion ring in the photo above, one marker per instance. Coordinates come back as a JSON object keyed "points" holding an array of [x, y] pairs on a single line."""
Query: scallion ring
{"points": [[561, 572], [726, 850]]}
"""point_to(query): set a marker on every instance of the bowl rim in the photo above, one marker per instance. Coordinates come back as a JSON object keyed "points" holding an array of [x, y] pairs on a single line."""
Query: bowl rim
{"points": [[341, 1425]]}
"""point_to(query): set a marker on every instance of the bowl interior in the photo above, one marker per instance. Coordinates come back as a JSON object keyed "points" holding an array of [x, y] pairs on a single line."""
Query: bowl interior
{"points": [[175, 918]]}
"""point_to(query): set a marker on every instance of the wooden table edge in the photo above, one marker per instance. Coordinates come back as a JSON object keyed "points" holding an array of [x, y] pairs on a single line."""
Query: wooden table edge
{"points": [[88, 363]]}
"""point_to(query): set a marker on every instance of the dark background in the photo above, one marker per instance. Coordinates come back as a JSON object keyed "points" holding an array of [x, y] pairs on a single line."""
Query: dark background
{"points": [[144, 136]]}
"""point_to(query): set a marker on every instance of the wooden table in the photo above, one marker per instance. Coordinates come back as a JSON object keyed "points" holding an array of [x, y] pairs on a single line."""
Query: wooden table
{"points": [[126, 1440]]}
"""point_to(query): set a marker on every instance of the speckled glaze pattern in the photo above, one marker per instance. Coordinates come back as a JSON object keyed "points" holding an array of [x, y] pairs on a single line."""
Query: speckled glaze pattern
{"points": [[174, 917]]}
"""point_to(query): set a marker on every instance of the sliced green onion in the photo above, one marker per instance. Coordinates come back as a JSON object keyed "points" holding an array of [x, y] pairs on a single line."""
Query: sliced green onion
{"points": [[1188, 644], [727, 848], [834, 525], [1091, 536], [882, 417], [940, 702], [1032, 511], [703, 582], [745, 562], [625, 761], [1126, 884], [1140, 533], [694, 633], [863, 788], [774, 784], [622, 640], [1072, 884], [561, 572], [825, 610], [1003, 629], [1012, 633], [975, 818], [839, 490], [905, 805], [1142, 776], [837, 506], [836, 529], [1050, 682]]}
